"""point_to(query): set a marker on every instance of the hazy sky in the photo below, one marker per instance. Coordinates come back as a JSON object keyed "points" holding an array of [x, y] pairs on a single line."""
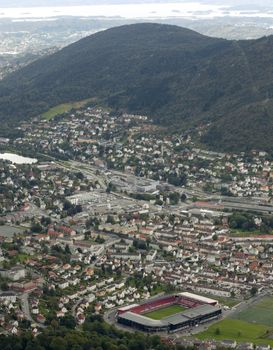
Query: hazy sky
{"points": [[25, 3], [194, 9]]}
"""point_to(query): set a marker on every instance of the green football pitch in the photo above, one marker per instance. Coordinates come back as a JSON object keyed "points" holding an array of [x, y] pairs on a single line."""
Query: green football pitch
{"points": [[165, 312]]}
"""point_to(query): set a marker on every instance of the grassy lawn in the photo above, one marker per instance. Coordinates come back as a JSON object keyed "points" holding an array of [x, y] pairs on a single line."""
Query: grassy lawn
{"points": [[157, 290], [261, 312], [165, 312], [241, 233], [43, 308], [20, 258], [230, 302], [240, 331], [63, 108]]}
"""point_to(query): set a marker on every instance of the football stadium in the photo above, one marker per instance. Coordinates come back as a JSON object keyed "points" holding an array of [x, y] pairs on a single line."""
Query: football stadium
{"points": [[170, 313]]}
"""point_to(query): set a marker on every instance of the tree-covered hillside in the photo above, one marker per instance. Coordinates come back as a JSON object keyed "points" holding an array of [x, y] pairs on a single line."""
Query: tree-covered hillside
{"points": [[178, 77]]}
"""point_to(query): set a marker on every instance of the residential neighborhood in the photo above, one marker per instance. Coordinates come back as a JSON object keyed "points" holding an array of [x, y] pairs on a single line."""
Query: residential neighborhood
{"points": [[110, 214]]}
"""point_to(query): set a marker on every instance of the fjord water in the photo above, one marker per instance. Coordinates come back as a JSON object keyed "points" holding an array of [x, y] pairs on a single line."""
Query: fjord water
{"points": [[16, 159]]}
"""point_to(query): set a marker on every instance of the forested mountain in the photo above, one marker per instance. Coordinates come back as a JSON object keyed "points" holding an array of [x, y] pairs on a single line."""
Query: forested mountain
{"points": [[178, 77]]}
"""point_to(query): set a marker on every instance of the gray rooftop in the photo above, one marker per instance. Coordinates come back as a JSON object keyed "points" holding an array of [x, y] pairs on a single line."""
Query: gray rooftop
{"points": [[174, 319], [199, 311], [190, 314], [131, 316]]}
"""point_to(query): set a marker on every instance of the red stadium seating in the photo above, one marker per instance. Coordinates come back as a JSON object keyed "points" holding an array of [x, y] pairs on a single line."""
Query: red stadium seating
{"points": [[153, 305], [164, 302]]}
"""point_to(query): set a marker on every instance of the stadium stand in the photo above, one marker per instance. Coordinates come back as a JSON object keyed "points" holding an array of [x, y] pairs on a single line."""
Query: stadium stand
{"points": [[198, 310]]}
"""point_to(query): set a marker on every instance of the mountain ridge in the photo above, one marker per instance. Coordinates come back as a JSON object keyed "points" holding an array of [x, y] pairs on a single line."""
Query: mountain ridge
{"points": [[177, 76]]}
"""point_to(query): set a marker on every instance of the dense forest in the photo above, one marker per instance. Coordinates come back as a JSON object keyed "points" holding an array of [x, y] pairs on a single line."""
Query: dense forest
{"points": [[178, 77], [94, 335]]}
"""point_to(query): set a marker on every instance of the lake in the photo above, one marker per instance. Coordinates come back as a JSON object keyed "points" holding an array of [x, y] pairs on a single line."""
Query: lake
{"points": [[16, 159]]}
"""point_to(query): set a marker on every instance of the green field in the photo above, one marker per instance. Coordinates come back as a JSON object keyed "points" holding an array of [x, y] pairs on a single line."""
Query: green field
{"points": [[165, 312], [240, 331], [241, 233], [63, 108], [253, 324], [261, 312]]}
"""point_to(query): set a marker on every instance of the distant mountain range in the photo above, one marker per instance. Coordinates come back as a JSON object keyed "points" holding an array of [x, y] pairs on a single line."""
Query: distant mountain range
{"points": [[179, 77]]}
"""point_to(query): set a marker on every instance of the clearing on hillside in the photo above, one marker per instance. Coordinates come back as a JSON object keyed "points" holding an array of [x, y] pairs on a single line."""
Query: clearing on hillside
{"points": [[165, 312], [64, 108]]}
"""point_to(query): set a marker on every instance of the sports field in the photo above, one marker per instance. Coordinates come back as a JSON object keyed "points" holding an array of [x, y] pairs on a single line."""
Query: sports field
{"points": [[261, 312], [165, 312], [240, 331]]}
